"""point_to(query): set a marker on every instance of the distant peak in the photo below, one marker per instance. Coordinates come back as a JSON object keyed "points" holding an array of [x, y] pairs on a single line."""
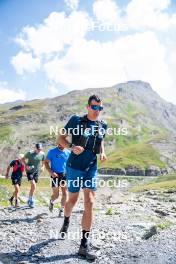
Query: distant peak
{"points": [[139, 82], [135, 82]]}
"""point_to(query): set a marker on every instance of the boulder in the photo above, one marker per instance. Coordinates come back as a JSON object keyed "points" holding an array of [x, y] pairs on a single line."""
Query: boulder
{"points": [[152, 171], [134, 171]]}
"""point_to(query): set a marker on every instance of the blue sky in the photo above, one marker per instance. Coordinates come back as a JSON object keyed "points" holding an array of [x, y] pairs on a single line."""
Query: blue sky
{"points": [[49, 47]]}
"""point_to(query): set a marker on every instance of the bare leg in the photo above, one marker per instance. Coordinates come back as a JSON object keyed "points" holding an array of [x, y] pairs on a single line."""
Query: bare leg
{"points": [[33, 188], [16, 192], [64, 196], [55, 194], [70, 203], [88, 209]]}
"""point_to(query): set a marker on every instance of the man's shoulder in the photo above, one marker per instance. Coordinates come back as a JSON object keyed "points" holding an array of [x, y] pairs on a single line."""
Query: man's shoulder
{"points": [[75, 118], [12, 162], [73, 122], [53, 150], [30, 152]]}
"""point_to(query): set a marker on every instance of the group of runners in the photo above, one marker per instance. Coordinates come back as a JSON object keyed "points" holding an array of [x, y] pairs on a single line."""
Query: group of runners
{"points": [[74, 159]]}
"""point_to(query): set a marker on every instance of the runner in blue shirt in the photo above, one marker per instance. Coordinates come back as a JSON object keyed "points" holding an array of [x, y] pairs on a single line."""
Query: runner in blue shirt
{"points": [[55, 164], [87, 140]]}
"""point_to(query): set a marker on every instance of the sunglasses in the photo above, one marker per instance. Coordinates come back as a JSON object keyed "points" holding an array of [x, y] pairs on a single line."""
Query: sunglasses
{"points": [[96, 107]]}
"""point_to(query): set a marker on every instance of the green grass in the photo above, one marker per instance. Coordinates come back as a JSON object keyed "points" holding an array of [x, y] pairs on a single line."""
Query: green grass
{"points": [[140, 155], [132, 110], [167, 182], [5, 132], [44, 134], [109, 211], [164, 225], [134, 134], [42, 194], [32, 107]]}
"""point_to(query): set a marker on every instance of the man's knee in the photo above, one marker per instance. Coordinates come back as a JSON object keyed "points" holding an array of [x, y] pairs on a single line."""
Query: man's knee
{"points": [[73, 199], [88, 200], [88, 203], [17, 188], [33, 184]]}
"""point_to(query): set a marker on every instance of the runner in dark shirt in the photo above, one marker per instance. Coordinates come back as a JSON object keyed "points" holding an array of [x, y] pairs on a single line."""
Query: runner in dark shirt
{"points": [[17, 172], [87, 140]]}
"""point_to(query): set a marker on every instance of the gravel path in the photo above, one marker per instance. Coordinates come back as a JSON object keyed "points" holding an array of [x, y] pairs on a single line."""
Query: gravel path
{"points": [[32, 235]]}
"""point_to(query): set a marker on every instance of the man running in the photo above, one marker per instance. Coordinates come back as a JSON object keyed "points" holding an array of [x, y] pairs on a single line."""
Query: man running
{"points": [[82, 166], [55, 164], [18, 168], [34, 159]]}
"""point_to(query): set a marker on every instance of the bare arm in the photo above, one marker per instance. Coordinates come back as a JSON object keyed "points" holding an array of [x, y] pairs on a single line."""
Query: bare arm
{"points": [[25, 164], [48, 168], [24, 161], [103, 156], [7, 173], [63, 141], [102, 150], [43, 166]]}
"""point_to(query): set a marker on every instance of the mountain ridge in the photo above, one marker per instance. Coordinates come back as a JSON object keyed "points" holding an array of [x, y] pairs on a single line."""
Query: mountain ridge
{"points": [[150, 120]]}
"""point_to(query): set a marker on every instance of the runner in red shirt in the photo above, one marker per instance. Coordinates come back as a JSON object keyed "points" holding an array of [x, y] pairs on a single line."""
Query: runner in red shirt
{"points": [[17, 172]]}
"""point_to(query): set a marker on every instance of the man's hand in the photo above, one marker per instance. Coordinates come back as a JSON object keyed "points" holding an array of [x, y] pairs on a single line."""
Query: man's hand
{"points": [[54, 175], [6, 176], [103, 157], [77, 150]]}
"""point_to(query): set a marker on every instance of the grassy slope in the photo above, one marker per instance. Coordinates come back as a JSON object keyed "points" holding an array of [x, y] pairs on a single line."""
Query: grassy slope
{"points": [[140, 155], [132, 149], [5, 132], [160, 183]]}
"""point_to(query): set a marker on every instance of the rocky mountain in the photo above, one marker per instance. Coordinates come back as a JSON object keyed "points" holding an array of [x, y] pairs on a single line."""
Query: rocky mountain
{"points": [[149, 147]]}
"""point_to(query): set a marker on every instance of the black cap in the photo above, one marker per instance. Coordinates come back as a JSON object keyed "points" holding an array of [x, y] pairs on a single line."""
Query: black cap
{"points": [[38, 146]]}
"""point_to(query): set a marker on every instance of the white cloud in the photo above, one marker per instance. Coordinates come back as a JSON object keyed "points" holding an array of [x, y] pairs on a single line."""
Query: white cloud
{"points": [[68, 58], [95, 64], [24, 62], [73, 4], [137, 15], [106, 11], [54, 33], [148, 14], [8, 95]]}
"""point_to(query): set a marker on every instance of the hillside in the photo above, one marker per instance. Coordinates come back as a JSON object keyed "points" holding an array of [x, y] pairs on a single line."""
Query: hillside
{"points": [[149, 148]]}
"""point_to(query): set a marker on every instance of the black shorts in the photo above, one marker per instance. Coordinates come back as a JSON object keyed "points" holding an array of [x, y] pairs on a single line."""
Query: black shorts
{"points": [[58, 181], [32, 176], [16, 180]]}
